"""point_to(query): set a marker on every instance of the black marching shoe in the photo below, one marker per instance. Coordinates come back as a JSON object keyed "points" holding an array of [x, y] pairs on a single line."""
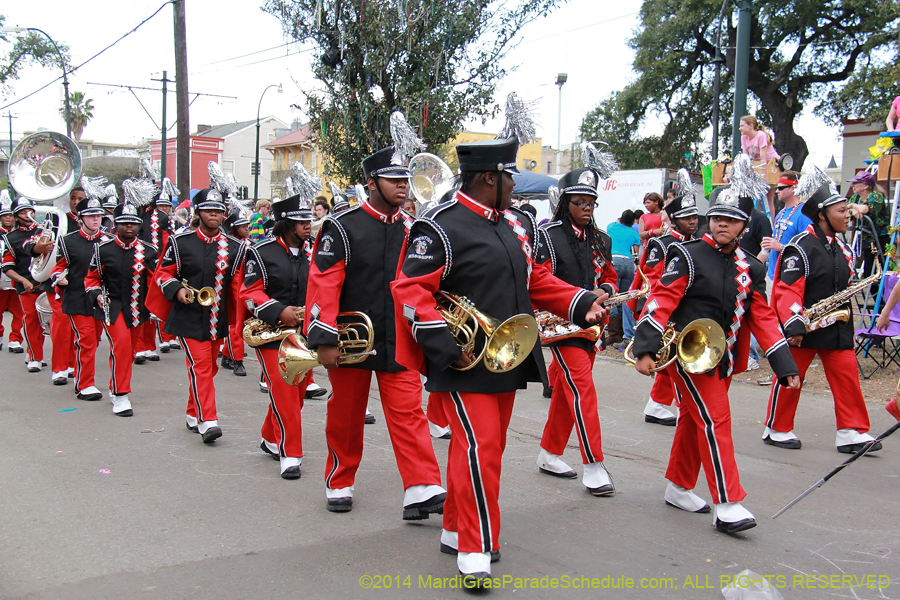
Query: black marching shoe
{"points": [[793, 444], [420, 510], [339, 505], [291, 472], [227, 363], [265, 448], [139, 359], [152, 356], [742, 525], [667, 421], [316, 393], [195, 429], [17, 349], [239, 369], [495, 554], [854, 448], [211, 434], [370, 419]]}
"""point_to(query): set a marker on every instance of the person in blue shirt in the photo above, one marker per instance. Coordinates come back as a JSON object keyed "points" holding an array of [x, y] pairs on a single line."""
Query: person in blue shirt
{"points": [[624, 238], [789, 222]]}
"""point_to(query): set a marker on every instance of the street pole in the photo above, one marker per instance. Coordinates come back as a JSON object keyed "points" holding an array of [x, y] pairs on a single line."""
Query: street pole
{"points": [[183, 130], [719, 60], [10, 117], [741, 70], [164, 154], [256, 160], [560, 80]]}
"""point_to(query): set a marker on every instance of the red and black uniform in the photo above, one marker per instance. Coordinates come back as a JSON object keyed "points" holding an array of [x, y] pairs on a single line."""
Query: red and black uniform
{"points": [[355, 259], [156, 230], [9, 302], [275, 278], [470, 249], [203, 262], [76, 251], [701, 281], [812, 267], [574, 398], [120, 271], [17, 257], [234, 343]]}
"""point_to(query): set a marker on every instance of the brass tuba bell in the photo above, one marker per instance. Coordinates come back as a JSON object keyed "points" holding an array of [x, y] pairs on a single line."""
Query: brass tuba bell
{"points": [[355, 341], [698, 348]]}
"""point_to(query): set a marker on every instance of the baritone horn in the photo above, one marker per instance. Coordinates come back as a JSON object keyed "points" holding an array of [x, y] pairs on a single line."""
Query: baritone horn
{"points": [[430, 179], [698, 348], [506, 344], [203, 296], [356, 337]]}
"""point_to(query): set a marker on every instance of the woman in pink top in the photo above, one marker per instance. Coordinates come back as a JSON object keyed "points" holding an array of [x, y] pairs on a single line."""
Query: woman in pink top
{"points": [[756, 142], [653, 223], [895, 110]]}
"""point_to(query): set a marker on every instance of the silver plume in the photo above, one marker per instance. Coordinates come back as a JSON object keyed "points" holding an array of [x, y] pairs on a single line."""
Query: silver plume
{"points": [[604, 163], [520, 121], [406, 143], [745, 182]]}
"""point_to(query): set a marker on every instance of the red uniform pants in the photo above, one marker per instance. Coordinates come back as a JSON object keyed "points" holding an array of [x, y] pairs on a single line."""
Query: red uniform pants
{"points": [[9, 301], [434, 412], [662, 392], [703, 436], [200, 358], [86, 333], [841, 372], [401, 400], [121, 354], [234, 345], [163, 336], [478, 424], [573, 403], [283, 426], [145, 336], [34, 333], [63, 351]]}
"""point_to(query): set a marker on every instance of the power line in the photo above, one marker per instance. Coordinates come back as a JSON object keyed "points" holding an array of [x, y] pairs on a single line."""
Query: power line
{"points": [[254, 63], [579, 28], [246, 55]]}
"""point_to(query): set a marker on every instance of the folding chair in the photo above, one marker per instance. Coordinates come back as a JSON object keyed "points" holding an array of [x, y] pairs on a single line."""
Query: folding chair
{"points": [[879, 347]]}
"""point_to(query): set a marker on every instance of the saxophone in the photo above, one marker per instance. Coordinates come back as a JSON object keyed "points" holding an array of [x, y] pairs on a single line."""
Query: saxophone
{"points": [[553, 329], [258, 333], [832, 309]]}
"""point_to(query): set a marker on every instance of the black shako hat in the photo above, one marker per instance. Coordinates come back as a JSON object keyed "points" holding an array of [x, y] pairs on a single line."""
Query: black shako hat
{"points": [[209, 199], [681, 207], [89, 206], [294, 208], [579, 181], [21, 203], [381, 164], [127, 213], [724, 202], [823, 197], [490, 155], [236, 219]]}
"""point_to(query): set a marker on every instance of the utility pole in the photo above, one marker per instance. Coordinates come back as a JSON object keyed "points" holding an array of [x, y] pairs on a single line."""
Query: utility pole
{"points": [[183, 131], [741, 69], [164, 151], [10, 117]]}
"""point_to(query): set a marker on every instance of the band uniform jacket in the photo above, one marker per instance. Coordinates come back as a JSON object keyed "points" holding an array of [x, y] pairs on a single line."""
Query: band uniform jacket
{"points": [[17, 245], [813, 267], [155, 228], [122, 271], [76, 251], [469, 249], [274, 278], [355, 259], [556, 253], [651, 264], [194, 257], [699, 281]]}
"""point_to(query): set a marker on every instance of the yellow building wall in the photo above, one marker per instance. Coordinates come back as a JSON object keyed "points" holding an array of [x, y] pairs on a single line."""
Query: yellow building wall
{"points": [[529, 158]]}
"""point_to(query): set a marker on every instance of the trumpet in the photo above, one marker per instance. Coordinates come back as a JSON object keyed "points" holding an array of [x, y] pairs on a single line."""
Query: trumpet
{"points": [[295, 358], [203, 296], [506, 344], [258, 333], [698, 348]]}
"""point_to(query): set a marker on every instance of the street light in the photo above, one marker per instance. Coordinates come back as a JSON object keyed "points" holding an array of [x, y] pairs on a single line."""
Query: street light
{"points": [[256, 162], [560, 80], [62, 63], [719, 60]]}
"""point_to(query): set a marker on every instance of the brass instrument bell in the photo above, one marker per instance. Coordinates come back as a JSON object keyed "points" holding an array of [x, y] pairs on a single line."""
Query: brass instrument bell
{"points": [[204, 296], [295, 358], [698, 348]]}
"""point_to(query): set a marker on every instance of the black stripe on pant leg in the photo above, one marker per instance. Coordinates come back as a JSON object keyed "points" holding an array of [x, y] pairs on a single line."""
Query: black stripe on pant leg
{"points": [[192, 378], [112, 361], [579, 418], [484, 516], [77, 342], [771, 416], [334, 469], [718, 471], [265, 373]]}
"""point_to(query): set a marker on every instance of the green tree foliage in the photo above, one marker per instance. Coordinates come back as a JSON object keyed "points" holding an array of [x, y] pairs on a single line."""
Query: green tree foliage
{"points": [[28, 47], [81, 112], [438, 61], [820, 54]]}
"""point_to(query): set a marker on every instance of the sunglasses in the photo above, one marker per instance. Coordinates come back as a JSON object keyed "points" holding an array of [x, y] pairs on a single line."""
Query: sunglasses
{"points": [[583, 205], [783, 187]]}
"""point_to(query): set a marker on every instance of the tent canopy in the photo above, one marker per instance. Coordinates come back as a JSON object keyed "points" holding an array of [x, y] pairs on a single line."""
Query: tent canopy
{"points": [[532, 184]]}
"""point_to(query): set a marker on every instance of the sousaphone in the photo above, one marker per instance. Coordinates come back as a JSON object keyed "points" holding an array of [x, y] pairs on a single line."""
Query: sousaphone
{"points": [[430, 179]]}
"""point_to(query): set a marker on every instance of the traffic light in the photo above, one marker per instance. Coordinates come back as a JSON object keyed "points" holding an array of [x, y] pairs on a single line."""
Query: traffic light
{"points": [[254, 168]]}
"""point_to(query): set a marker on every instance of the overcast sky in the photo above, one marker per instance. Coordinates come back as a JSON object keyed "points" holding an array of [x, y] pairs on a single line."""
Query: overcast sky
{"points": [[588, 44]]}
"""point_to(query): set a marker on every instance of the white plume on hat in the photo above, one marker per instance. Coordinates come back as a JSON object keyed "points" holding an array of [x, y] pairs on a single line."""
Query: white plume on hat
{"points": [[94, 187], [520, 121], [406, 143], [138, 192], [811, 180], [604, 163], [745, 182], [301, 182]]}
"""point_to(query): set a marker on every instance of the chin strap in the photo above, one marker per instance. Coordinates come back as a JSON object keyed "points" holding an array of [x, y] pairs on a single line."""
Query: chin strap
{"points": [[499, 190]]}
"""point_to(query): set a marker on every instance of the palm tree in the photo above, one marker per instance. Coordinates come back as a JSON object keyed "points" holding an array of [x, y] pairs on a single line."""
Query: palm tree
{"points": [[82, 111]]}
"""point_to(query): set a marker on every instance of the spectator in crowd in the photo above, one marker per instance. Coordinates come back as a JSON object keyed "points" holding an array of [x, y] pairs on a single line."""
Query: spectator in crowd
{"points": [[637, 218], [258, 220], [789, 221], [654, 223], [624, 240], [893, 113], [756, 142], [409, 207], [866, 200], [321, 208]]}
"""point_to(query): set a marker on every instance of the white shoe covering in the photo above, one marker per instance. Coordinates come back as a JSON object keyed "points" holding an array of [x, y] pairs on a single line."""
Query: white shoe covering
{"points": [[34, 364], [421, 493], [89, 390], [70, 371], [149, 353], [313, 386], [683, 498], [203, 426], [437, 431], [192, 421], [264, 386], [655, 409], [595, 475], [731, 512], [368, 412], [120, 403], [450, 538], [288, 461], [551, 462], [845, 437], [14, 345], [346, 492], [58, 375], [273, 448], [474, 562], [781, 436]]}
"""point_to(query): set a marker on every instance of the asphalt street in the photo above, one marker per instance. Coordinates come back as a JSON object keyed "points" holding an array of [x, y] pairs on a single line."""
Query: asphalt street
{"points": [[97, 506]]}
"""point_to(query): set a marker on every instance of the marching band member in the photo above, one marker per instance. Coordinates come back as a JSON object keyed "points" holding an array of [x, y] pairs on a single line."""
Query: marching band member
{"points": [[577, 252], [275, 278], [76, 251], [156, 230], [117, 284], [20, 246], [203, 258], [109, 205], [164, 205], [683, 214], [238, 227], [816, 265], [9, 299], [477, 246], [712, 278], [356, 256]]}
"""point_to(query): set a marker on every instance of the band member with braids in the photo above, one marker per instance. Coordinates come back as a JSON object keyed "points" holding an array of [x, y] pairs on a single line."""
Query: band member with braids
{"points": [[9, 299], [117, 284], [164, 205], [476, 246], [712, 278], [76, 251], [682, 213], [275, 278], [19, 247], [577, 252], [238, 227], [816, 265], [155, 229], [355, 258], [205, 258]]}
